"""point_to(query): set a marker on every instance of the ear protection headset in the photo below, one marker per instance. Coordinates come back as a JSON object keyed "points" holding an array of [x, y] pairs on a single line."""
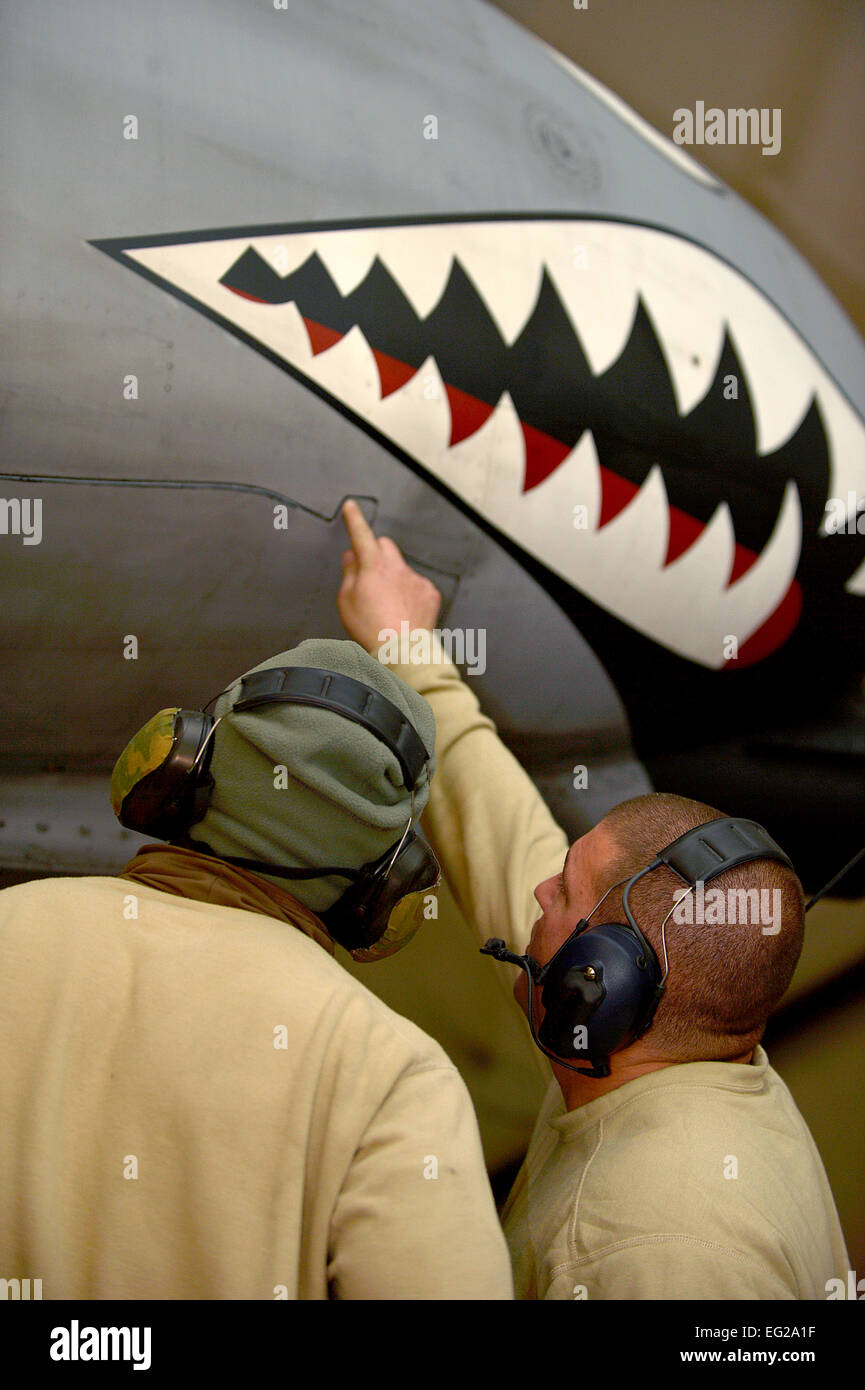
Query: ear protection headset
{"points": [[380, 910], [601, 988]]}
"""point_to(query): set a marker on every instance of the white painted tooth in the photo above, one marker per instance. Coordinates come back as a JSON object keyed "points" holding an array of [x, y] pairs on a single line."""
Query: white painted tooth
{"points": [[688, 315], [417, 417], [778, 367], [621, 567], [347, 256], [280, 327], [846, 435], [575, 483], [615, 566], [548, 516], [749, 602], [507, 274], [502, 436], [348, 371], [645, 594], [489, 463], [580, 484], [531, 517], [593, 272], [419, 258], [639, 534], [704, 567]]}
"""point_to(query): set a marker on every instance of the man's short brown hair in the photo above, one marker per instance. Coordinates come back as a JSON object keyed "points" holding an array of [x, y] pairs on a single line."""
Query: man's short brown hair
{"points": [[724, 981]]}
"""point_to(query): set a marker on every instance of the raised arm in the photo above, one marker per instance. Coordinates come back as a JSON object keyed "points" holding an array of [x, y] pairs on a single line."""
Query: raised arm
{"points": [[489, 825]]}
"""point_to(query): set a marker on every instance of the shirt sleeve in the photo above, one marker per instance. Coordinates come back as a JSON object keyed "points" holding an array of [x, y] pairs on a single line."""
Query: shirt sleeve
{"points": [[488, 823], [415, 1218], [670, 1267]]}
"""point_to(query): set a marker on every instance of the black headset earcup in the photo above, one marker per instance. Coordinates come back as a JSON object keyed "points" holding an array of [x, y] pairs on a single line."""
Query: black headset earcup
{"points": [[602, 981], [360, 917], [570, 998]]}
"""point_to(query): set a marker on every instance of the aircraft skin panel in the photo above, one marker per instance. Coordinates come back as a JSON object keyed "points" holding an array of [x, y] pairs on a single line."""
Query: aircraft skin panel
{"points": [[198, 626], [233, 133]]}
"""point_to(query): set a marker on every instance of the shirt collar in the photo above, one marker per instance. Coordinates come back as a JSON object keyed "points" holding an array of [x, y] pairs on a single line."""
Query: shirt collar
{"points": [[729, 1076]]}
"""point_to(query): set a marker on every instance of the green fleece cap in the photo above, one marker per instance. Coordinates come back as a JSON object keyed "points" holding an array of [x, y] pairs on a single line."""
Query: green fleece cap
{"points": [[303, 787]]}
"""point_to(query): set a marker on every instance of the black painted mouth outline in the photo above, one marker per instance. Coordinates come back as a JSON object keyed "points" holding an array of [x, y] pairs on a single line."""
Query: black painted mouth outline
{"points": [[555, 411]]}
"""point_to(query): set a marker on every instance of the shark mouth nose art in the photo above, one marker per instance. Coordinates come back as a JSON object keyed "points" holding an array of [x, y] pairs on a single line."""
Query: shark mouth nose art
{"points": [[617, 401]]}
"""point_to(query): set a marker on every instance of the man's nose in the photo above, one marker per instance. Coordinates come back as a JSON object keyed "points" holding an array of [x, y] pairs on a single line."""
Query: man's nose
{"points": [[543, 893]]}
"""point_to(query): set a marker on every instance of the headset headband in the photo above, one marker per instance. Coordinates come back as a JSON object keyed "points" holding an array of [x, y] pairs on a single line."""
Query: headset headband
{"points": [[708, 850], [308, 685]]}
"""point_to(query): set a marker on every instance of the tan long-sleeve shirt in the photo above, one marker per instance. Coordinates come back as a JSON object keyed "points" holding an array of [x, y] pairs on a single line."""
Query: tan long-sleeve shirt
{"points": [[696, 1181], [198, 1102]]}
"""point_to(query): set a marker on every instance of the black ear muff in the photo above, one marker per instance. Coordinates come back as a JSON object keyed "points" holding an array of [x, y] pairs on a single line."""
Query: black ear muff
{"points": [[599, 992], [602, 987], [359, 918]]}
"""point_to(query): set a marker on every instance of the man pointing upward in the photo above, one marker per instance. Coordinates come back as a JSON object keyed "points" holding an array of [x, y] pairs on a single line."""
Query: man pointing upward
{"points": [[688, 1171]]}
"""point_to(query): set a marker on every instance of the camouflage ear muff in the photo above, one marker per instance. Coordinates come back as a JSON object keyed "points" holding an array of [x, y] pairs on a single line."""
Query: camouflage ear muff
{"points": [[161, 786], [144, 753], [152, 787]]}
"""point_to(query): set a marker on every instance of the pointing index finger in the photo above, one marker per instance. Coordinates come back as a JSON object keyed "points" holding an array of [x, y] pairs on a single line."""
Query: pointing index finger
{"points": [[360, 534]]}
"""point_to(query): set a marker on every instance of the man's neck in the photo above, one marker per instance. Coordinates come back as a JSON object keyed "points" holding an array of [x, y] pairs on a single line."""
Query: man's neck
{"points": [[627, 1066]]}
